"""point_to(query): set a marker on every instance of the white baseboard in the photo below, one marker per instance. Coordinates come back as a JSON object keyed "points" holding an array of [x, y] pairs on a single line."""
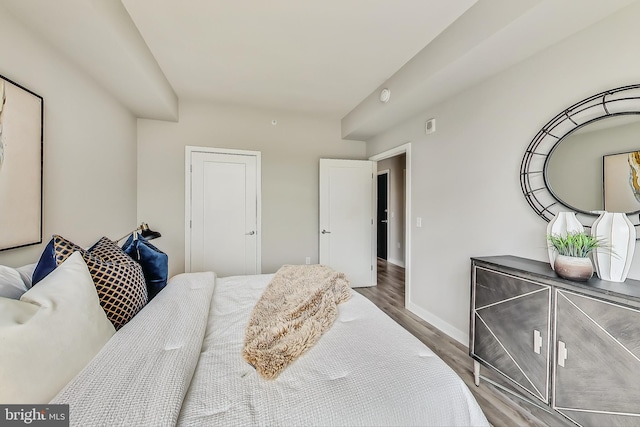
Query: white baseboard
{"points": [[396, 262], [455, 333]]}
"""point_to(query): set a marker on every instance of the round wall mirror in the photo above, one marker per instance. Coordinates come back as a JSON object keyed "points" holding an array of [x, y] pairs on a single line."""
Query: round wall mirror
{"points": [[587, 159]]}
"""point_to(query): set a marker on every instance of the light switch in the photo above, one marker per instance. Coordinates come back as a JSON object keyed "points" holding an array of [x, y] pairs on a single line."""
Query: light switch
{"points": [[419, 222]]}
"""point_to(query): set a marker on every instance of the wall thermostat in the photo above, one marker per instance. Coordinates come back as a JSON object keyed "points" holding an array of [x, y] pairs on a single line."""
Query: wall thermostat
{"points": [[430, 126]]}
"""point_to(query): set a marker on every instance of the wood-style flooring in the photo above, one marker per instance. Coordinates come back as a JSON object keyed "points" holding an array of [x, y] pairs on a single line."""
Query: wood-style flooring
{"points": [[388, 295]]}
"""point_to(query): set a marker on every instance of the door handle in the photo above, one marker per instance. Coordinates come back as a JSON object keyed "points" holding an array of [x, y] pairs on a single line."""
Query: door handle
{"points": [[562, 353], [325, 231], [251, 233], [537, 341], [384, 220]]}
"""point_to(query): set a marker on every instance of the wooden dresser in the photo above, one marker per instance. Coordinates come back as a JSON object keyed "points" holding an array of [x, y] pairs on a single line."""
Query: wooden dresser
{"points": [[572, 348]]}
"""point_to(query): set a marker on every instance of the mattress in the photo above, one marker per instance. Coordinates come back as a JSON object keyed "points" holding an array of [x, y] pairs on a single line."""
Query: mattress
{"points": [[178, 362], [366, 370]]}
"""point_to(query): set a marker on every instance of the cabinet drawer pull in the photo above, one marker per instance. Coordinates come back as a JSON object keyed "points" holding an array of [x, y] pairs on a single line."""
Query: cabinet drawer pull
{"points": [[562, 353], [537, 341]]}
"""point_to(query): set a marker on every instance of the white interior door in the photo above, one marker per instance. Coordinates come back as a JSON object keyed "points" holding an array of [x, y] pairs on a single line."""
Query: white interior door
{"points": [[347, 229], [223, 213]]}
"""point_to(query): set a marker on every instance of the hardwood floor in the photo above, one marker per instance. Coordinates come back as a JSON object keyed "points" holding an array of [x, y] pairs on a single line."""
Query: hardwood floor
{"points": [[388, 295]]}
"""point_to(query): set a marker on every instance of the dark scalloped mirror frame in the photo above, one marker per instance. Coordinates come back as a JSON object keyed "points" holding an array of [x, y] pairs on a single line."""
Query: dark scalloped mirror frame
{"points": [[533, 169]]}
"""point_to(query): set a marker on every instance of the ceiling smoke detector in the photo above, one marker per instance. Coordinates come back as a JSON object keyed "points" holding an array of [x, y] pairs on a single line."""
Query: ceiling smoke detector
{"points": [[385, 94]]}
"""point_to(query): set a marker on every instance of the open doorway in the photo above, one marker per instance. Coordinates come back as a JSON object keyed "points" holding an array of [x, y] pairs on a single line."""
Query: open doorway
{"points": [[382, 202], [393, 272], [391, 209]]}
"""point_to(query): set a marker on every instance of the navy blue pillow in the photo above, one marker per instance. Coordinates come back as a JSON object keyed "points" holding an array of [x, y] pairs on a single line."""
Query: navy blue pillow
{"points": [[46, 264], [154, 263]]}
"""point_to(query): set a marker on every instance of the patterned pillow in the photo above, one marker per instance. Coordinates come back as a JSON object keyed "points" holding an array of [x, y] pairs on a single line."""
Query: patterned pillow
{"points": [[109, 251], [118, 278]]}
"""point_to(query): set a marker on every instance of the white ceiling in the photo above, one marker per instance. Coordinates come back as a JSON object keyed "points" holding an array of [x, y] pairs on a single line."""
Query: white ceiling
{"points": [[323, 57], [313, 56], [316, 56]]}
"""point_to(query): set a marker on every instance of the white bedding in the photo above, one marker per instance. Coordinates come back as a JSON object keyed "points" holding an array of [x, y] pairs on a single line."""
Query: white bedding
{"points": [[366, 370]]}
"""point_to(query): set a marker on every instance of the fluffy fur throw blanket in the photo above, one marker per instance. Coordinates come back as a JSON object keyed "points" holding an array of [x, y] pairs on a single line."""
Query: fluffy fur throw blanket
{"points": [[296, 308]]}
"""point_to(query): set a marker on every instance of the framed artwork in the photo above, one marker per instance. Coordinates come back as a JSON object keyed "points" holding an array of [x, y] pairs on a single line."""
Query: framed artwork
{"points": [[621, 180], [21, 137]]}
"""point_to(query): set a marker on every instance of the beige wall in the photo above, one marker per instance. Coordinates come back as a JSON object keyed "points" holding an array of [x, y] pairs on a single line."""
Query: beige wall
{"points": [[465, 176], [290, 166], [396, 167], [89, 145]]}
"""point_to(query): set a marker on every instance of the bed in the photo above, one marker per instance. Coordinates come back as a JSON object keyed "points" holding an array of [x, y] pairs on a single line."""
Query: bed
{"points": [[103, 331], [178, 362]]}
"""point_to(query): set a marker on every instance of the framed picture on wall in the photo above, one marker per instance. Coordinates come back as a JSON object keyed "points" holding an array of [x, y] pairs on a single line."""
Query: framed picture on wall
{"points": [[621, 180], [21, 139]]}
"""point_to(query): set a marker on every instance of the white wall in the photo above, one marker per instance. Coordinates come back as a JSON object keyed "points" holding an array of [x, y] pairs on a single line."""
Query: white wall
{"points": [[89, 145], [465, 182], [290, 167], [395, 214]]}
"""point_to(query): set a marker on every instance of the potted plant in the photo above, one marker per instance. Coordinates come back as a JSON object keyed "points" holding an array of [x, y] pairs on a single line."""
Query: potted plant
{"points": [[573, 249]]}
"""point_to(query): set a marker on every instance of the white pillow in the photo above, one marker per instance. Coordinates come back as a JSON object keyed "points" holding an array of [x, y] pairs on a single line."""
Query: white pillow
{"points": [[26, 271], [11, 283], [50, 334]]}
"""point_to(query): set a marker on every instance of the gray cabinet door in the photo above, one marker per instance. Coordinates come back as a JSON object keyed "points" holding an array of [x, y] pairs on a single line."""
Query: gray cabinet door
{"points": [[599, 383], [511, 328]]}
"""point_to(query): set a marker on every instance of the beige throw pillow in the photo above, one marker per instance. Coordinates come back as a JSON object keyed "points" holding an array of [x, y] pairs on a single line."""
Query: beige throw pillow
{"points": [[50, 334]]}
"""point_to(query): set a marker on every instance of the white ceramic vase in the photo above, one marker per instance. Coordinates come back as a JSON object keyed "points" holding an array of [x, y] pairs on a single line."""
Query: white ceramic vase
{"points": [[560, 225], [618, 235]]}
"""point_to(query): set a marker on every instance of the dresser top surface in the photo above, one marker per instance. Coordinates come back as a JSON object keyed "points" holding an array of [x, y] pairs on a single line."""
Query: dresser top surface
{"points": [[627, 289]]}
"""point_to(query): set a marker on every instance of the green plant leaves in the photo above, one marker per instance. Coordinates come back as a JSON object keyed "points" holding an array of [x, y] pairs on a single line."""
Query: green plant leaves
{"points": [[576, 244]]}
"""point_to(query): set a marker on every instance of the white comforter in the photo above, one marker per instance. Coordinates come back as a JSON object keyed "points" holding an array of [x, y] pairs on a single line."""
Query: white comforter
{"points": [[179, 362]]}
